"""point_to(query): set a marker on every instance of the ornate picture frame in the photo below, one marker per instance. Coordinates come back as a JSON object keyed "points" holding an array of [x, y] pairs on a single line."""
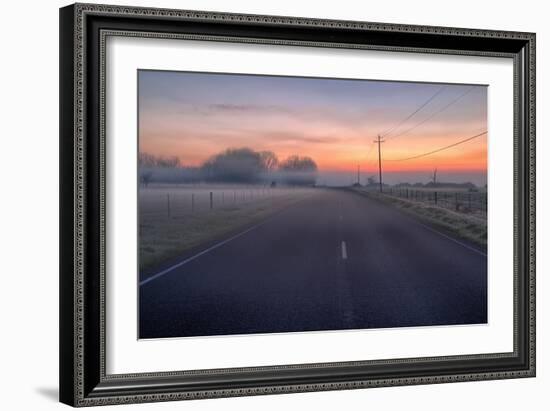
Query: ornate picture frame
{"points": [[84, 30]]}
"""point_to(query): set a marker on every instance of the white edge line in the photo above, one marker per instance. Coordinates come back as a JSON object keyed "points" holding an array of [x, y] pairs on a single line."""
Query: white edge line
{"points": [[453, 240], [187, 260]]}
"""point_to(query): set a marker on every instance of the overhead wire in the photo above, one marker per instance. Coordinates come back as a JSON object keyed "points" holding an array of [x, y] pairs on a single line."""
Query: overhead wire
{"points": [[388, 131], [432, 115], [439, 149]]}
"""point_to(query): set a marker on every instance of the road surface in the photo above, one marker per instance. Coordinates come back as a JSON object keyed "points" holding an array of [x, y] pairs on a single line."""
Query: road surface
{"points": [[336, 260]]}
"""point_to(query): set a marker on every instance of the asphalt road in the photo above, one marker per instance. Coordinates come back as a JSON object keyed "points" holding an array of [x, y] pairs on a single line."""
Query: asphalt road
{"points": [[336, 260]]}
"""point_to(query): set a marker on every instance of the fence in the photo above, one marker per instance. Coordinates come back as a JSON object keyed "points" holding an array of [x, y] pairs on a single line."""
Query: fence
{"points": [[461, 201], [184, 201]]}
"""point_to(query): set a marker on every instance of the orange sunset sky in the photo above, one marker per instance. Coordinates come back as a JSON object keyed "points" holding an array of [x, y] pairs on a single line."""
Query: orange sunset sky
{"points": [[196, 115]]}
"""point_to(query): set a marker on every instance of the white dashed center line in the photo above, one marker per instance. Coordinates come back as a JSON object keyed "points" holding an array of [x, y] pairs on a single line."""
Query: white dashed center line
{"points": [[344, 251]]}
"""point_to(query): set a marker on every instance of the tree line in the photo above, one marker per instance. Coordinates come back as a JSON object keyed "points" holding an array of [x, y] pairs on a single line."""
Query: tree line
{"points": [[233, 165]]}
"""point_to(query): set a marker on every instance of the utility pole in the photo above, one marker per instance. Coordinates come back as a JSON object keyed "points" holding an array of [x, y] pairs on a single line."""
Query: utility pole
{"points": [[358, 175], [434, 177], [379, 140]]}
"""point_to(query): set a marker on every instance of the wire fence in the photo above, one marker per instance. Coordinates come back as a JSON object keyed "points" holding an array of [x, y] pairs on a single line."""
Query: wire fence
{"points": [[172, 202], [460, 201]]}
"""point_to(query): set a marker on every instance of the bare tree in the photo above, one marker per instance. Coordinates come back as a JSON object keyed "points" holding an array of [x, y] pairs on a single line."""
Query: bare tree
{"points": [[168, 162], [150, 160], [147, 160], [269, 160], [159, 168]]}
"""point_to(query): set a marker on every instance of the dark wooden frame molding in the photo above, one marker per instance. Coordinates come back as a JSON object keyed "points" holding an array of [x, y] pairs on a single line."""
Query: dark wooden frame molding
{"points": [[83, 30]]}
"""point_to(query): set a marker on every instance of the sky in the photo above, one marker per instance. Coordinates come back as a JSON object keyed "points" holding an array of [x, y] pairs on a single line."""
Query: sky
{"points": [[334, 121]]}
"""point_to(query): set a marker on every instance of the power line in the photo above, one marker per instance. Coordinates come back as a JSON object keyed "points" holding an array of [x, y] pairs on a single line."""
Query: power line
{"points": [[367, 159], [432, 116], [388, 131], [439, 149], [370, 151]]}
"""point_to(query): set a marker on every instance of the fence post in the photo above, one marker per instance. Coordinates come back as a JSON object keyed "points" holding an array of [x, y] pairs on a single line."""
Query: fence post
{"points": [[435, 197], [168, 203], [211, 200], [456, 201]]}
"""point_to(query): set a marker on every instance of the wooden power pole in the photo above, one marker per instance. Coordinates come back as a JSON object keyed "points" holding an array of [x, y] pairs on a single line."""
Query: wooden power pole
{"points": [[379, 140]]}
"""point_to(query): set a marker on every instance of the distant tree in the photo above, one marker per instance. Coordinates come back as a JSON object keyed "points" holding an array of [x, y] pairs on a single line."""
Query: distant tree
{"points": [[145, 177], [269, 160], [160, 169], [168, 162], [298, 170], [150, 160], [147, 160], [297, 163], [371, 181], [234, 165]]}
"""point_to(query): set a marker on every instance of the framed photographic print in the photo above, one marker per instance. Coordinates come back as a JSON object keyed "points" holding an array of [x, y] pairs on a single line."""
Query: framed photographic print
{"points": [[262, 204]]}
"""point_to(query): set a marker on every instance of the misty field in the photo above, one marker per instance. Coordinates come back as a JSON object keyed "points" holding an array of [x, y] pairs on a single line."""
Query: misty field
{"points": [[175, 218]]}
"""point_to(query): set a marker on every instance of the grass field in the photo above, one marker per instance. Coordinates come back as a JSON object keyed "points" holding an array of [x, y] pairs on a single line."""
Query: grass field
{"points": [[462, 201], [471, 226], [177, 218]]}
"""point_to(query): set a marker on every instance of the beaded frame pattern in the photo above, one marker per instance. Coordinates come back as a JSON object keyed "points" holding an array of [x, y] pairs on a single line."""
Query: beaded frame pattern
{"points": [[81, 10]]}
